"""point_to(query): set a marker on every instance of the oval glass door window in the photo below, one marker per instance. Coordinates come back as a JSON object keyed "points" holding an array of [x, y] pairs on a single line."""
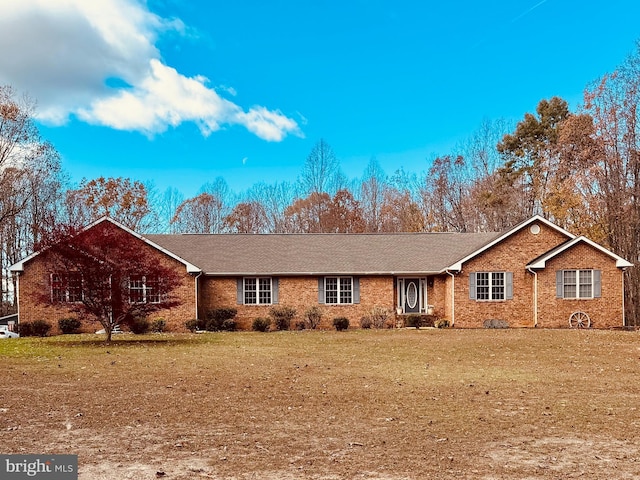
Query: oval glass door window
{"points": [[412, 295]]}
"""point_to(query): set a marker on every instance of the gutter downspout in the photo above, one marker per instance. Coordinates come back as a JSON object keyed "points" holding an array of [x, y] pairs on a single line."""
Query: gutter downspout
{"points": [[453, 297], [624, 319], [535, 296], [17, 298], [197, 295]]}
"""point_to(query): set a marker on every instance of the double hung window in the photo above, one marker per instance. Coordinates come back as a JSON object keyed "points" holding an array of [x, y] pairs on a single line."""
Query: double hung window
{"points": [[66, 287], [578, 283], [257, 290], [491, 286]]}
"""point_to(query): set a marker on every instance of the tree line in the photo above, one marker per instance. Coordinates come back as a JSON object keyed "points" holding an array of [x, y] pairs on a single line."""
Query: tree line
{"points": [[580, 169]]}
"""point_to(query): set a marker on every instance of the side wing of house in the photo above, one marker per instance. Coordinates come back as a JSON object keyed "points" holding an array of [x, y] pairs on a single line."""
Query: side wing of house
{"points": [[47, 294], [580, 279], [494, 283], [537, 274]]}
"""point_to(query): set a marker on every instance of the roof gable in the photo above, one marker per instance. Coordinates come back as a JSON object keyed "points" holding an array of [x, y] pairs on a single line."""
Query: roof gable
{"points": [[457, 266], [540, 262], [19, 266]]}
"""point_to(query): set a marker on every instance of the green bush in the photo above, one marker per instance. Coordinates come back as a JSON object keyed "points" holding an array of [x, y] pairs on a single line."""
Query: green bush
{"points": [[139, 325], [313, 317], [261, 324], [282, 316], [221, 319], [341, 323], [69, 325], [37, 328], [158, 325]]}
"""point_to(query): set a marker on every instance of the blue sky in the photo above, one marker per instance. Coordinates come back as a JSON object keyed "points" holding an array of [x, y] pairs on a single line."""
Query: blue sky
{"points": [[180, 92]]}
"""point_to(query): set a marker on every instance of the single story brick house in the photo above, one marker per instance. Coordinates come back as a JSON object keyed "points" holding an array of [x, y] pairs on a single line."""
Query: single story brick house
{"points": [[535, 274]]}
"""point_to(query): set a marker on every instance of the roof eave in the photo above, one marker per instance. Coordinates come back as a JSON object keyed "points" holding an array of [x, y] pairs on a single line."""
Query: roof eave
{"points": [[191, 268], [541, 263], [536, 218], [319, 274]]}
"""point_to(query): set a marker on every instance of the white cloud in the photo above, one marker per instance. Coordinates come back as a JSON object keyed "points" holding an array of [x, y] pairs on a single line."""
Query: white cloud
{"points": [[63, 51]]}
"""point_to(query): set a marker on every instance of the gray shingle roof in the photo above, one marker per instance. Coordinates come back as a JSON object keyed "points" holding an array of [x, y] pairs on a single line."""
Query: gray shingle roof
{"points": [[309, 254]]}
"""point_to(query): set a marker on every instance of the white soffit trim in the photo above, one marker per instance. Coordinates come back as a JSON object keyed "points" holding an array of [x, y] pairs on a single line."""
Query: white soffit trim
{"points": [[540, 263], [536, 218]]}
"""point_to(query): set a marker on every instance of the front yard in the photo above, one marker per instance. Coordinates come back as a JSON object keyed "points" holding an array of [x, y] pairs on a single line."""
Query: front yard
{"points": [[379, 404]]}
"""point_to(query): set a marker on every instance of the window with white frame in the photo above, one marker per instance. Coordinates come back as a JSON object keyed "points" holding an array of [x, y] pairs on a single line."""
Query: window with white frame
{"points": [[66, 287], [338, 290], [574, 284], [491, 286], [257, 290], [144, 289]]}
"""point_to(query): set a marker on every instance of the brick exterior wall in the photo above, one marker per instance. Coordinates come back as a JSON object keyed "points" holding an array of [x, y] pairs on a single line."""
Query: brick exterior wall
{"points": [[604, 312], [510, 255], [36, 279], [300, 293]]}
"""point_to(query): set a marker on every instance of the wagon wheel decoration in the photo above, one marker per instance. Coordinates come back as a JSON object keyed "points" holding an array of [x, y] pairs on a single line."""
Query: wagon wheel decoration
{"points": [[579, 320]]}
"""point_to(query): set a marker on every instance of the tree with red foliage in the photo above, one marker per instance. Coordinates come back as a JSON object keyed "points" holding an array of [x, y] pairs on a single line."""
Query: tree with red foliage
{"points": [[111, 274]]}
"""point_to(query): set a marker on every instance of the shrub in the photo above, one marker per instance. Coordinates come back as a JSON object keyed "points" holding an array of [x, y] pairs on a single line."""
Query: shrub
{"points": [[25, 329], [229, 325], [341, 323], [261, 324], [218, 319], [414, 321], [366, 322], [418, 321], [158, 325], [312, 317], [37, 328], [282, 316], [139, 325], [379, 316], [194, 324], [69, 325], [441, 323], [429, 320], [300, 325]]}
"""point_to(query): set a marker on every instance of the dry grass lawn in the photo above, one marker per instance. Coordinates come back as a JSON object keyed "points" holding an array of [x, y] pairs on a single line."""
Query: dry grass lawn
{"points": [[477, 404]]}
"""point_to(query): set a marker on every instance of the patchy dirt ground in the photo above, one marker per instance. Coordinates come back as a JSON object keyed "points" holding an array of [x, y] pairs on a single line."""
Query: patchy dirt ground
{"points": [[477, 404]]}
